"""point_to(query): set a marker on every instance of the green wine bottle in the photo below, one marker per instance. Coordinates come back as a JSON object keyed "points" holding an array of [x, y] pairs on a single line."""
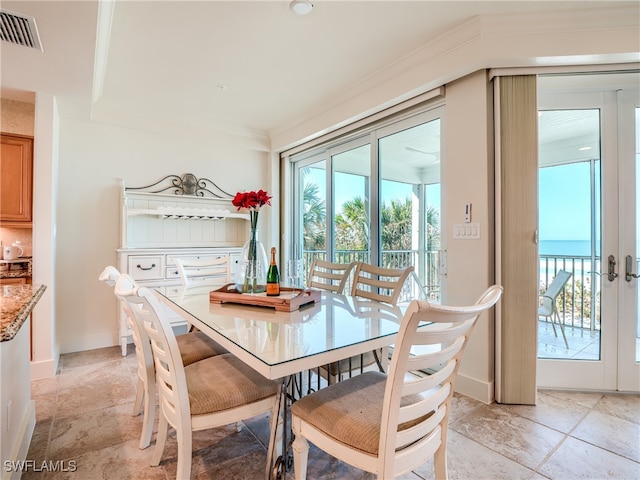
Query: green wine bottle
{"points": [[273, 276]]}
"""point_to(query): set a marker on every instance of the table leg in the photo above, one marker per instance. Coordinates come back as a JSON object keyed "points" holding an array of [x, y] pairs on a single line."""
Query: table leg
{"points": [[275, 455]]}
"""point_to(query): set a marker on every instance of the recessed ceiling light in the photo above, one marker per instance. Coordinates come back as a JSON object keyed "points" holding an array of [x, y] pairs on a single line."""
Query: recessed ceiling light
{"points": [[301, 7], [584, 149], [223, 88]]}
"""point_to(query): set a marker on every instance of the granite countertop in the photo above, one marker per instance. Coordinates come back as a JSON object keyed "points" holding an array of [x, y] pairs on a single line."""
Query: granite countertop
{"points": [[16, 303]]}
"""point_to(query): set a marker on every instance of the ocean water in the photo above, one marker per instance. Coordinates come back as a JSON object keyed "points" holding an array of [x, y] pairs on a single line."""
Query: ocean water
{"points": [[568, 248]]}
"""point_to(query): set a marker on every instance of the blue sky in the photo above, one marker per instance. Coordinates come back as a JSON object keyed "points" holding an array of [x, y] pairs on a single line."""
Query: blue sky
{"points": [[563, 198], [564, 202]]}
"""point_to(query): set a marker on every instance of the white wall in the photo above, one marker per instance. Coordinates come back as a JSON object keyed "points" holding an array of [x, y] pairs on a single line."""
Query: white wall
{"points": [[467, 175], [45, 344], [93, 159]]}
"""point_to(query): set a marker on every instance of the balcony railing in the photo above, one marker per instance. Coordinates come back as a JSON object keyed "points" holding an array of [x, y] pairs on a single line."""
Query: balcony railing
{"points": [[578, 305], [425, 284]]}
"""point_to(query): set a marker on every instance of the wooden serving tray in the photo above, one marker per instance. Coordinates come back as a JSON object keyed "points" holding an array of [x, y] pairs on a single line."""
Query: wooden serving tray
{"points": [[290, 299]]}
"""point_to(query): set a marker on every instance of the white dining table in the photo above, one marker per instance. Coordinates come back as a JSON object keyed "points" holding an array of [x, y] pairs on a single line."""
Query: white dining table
{"points": [[280, 345]]}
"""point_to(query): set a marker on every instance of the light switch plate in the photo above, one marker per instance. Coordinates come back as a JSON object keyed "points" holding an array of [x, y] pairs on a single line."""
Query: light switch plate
{"points": [[466, 231]]}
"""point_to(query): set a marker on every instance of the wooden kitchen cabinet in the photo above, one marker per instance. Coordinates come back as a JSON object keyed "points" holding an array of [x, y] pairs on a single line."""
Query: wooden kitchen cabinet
{"points": [[16, 180]]}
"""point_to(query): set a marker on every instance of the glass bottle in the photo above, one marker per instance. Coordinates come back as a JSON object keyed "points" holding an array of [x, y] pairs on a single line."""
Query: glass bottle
{"points": [[273, 276]]}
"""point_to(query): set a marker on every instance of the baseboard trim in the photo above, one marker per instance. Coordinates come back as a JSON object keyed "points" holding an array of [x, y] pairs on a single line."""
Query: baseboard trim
{"points": [[471, 387], [44, 369]]}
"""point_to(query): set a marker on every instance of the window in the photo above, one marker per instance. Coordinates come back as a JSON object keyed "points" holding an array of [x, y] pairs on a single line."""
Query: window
{"points": [[373, 197]]}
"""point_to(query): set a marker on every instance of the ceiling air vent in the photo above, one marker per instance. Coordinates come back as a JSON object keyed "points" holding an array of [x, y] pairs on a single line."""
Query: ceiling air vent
{"points": [[19, 29]]}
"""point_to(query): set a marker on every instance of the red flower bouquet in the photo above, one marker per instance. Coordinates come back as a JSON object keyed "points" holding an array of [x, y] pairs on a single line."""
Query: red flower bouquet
{"points": [[252, 275], [251, 200]]}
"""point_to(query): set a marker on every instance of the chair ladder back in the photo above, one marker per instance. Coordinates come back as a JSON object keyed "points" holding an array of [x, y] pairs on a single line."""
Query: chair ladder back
{"points": [[431, 411], [423, 404], [329, 276], [170, 377], [439, 375], [208, 270], [142, 344], [379, 283]]}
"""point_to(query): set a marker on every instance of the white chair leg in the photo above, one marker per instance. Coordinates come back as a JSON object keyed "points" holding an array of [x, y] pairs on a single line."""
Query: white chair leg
{"points": [[300, 456], [148, 419], [184, 454], [137, 405], [161, 438], [440, 463]]}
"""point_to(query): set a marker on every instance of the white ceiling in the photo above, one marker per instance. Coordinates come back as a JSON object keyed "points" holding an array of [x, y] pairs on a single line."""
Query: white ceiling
{"points": [[167, 59]]}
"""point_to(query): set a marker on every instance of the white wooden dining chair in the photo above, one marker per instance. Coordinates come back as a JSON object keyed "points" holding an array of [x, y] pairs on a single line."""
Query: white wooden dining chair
{"points": [[391, 424], [192, 346], [379, 283], [210, 393], [203, 271], [335, 277], [329, 276]]}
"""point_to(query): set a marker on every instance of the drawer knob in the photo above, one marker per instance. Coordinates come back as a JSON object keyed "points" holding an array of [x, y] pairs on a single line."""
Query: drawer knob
{"points": [[153, 265]]}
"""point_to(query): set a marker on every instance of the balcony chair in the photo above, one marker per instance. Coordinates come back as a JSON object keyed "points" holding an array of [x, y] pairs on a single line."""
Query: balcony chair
{"points": [[193, 347], [210, 393], [389, 424], [203, 271], [329, 276], [548, 301]]}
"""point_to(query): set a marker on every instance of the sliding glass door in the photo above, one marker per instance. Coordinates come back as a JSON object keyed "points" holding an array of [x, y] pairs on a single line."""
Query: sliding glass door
{"points": [[374, 198]]}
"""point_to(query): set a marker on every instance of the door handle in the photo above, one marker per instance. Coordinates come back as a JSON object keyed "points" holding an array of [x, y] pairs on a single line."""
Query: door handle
{"points": [[612, 275], [628, 269]]}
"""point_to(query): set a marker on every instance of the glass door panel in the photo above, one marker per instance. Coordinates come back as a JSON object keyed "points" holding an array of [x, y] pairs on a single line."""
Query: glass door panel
{"points": [[351, 186], [312, 185], [569, 233], [409, 162]]}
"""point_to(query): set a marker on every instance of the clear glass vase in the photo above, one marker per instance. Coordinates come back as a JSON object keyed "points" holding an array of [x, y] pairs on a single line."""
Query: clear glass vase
{"points": [[251, 276]]}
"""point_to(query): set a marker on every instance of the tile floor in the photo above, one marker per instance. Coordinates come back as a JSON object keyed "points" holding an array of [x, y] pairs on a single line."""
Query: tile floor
{"points": [[84, 416]]}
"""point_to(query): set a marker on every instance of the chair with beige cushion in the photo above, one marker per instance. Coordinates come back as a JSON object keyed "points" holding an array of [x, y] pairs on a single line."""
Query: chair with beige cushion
{"points": [[391, 424], [206, 394], [193, 347]]}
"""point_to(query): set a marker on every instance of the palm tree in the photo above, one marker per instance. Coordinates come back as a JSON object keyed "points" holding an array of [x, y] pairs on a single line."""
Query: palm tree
{"points": [[352, 226], [313, 217], [433, 228], [395, 220]]}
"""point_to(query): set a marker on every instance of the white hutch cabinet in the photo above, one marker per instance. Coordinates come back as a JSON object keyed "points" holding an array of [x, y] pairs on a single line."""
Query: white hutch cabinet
{"points": [[175, 217]]}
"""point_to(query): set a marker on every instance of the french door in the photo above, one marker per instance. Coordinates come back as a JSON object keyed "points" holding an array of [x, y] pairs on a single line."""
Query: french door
{"points": [[589, 168]]}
